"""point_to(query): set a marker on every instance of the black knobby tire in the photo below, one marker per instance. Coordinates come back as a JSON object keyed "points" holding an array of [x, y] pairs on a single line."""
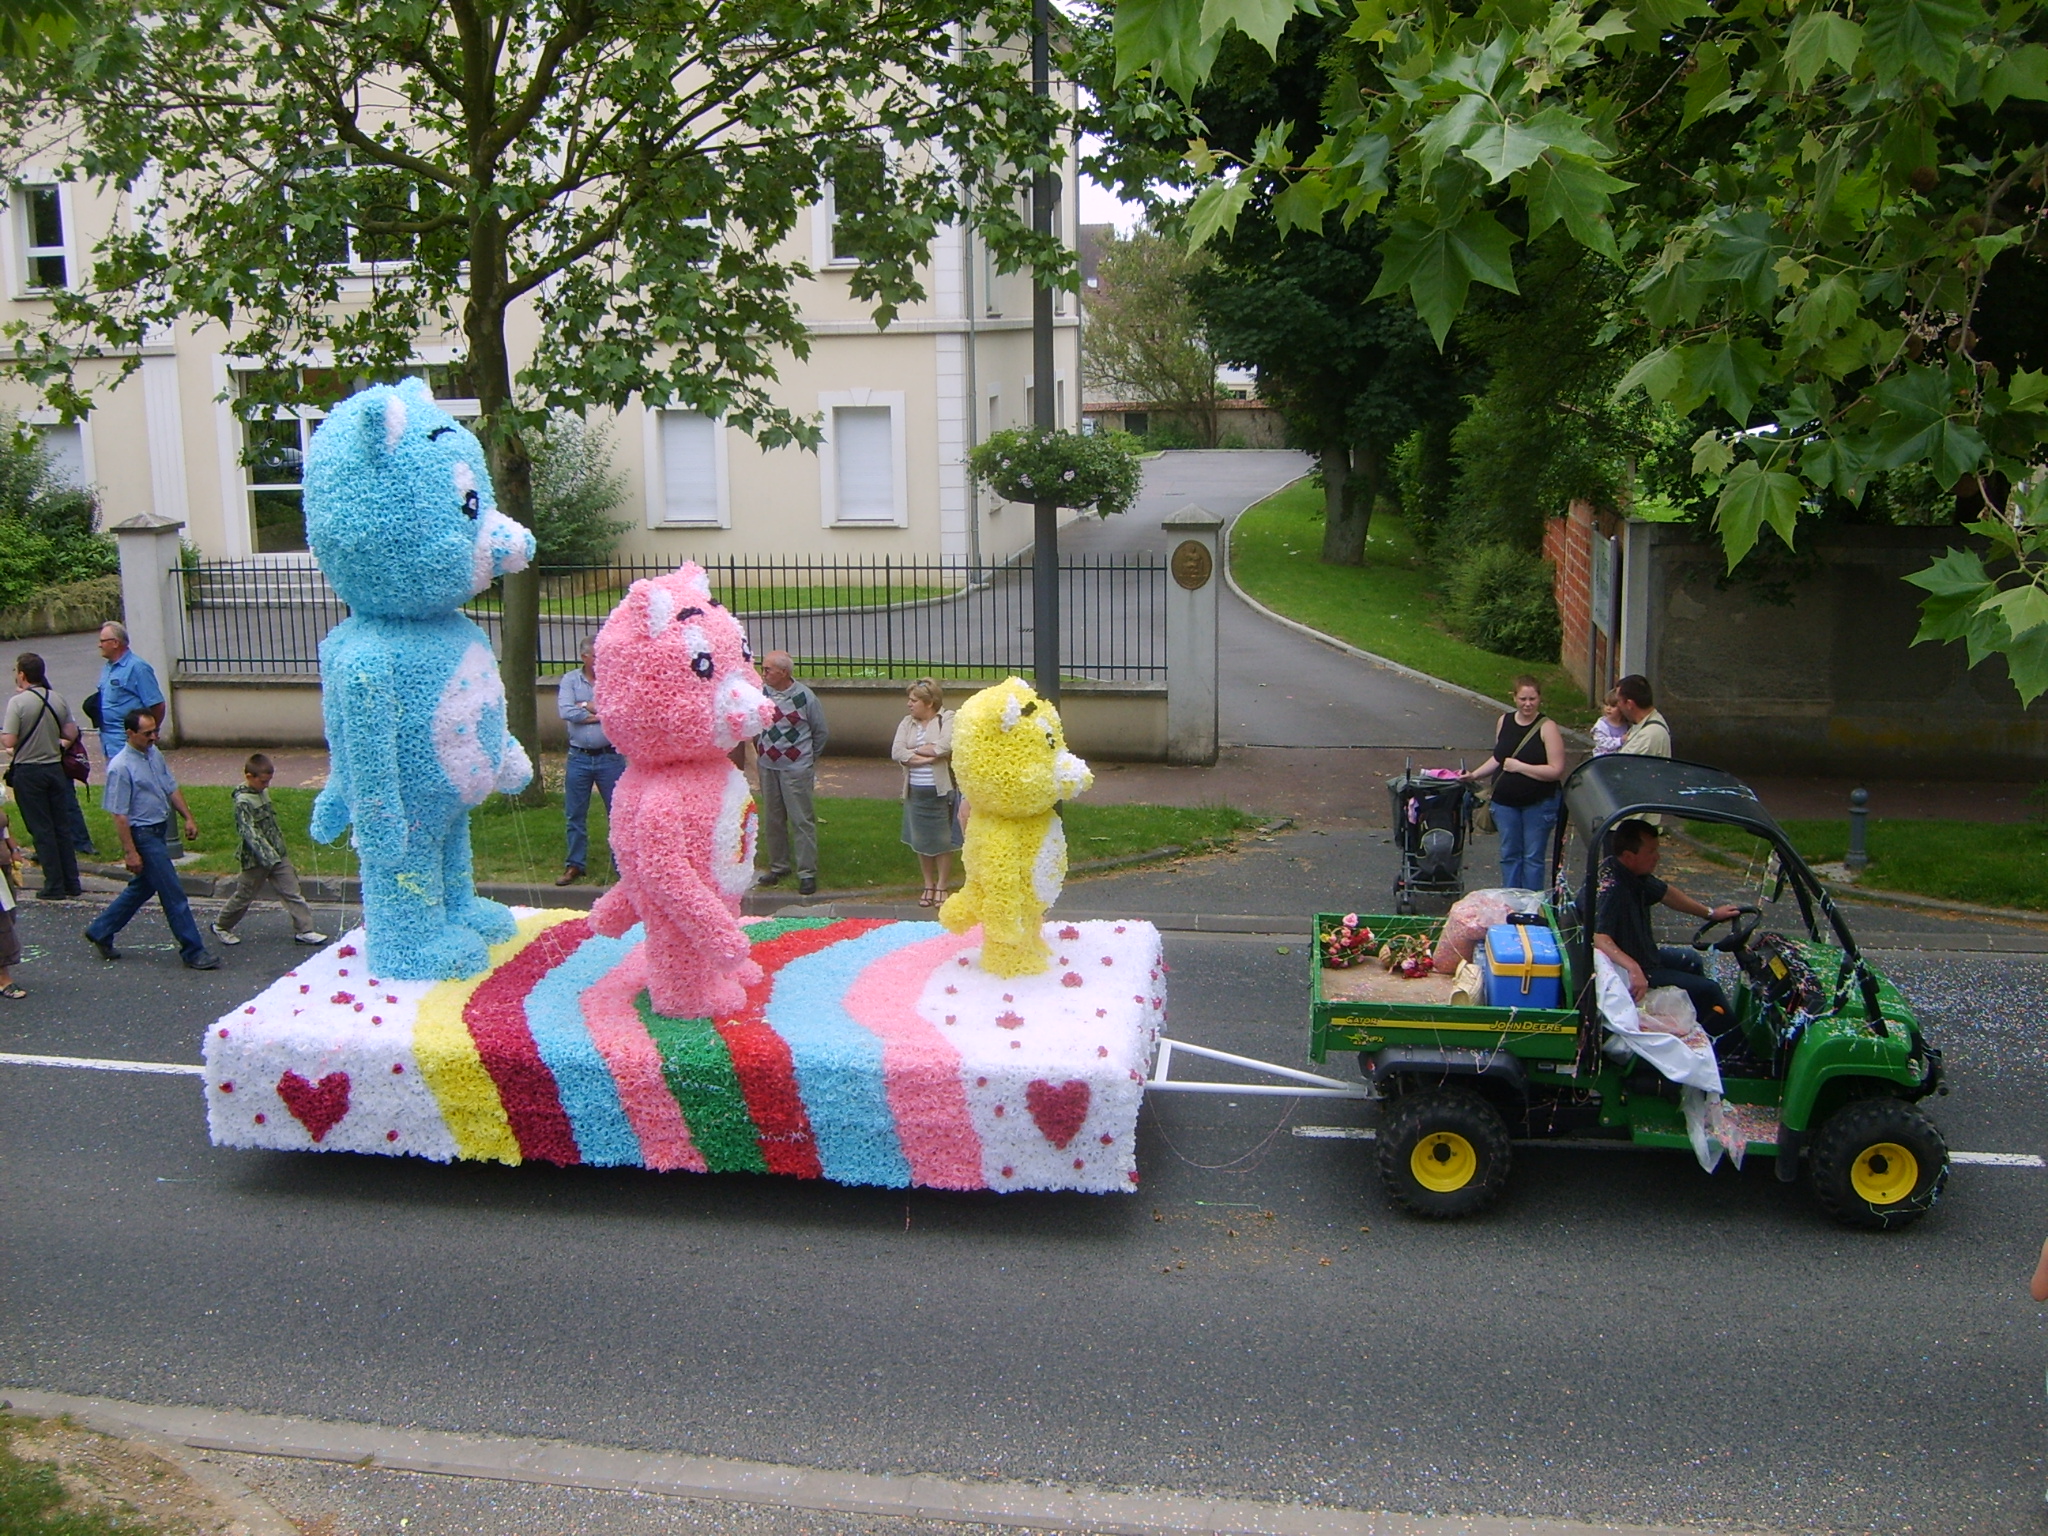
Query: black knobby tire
{"points": [[1444, 1152], [1856, 1175]]}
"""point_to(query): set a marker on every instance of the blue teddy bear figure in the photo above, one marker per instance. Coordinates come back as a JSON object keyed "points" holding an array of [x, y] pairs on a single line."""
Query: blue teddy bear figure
{"points": [[400, 516]]}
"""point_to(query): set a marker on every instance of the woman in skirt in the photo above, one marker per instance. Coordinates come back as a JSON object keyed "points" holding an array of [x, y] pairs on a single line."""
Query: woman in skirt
{"points": [[931, 822]]}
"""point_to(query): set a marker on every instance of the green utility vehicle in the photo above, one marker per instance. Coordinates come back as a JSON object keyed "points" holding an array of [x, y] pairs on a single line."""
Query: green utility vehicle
{"points": [[1826, 1077]]}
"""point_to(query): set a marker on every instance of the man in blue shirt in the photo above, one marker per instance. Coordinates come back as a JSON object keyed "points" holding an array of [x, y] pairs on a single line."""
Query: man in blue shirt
{"points": [[141, 794], [126, 682], [592, 760]]}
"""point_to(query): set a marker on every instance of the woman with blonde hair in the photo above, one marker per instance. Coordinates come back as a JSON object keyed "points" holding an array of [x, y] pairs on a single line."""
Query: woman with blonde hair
{"points": [[931, 822]]}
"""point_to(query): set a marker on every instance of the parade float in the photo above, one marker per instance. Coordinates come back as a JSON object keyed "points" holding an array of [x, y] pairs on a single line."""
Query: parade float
{"points": [[996, 1050]]}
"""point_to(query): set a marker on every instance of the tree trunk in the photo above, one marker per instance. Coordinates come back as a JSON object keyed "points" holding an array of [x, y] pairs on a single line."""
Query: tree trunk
{"points": [[490, 367], [1351, 484]]}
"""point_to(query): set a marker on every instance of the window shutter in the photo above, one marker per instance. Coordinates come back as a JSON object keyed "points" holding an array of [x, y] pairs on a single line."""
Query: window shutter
{"points": [[863, 451], [689, 467]]}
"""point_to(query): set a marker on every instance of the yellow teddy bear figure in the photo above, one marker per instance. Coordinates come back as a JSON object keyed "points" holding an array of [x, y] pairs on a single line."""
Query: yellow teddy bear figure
{"points": [[1011, 761]]}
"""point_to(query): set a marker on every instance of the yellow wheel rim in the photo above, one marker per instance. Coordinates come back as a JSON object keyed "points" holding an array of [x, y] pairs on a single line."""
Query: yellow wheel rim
{"points": [[1443, 1161], [1884, 1173]]}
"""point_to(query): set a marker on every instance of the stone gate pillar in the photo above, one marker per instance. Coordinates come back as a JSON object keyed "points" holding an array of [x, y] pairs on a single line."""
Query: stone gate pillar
{"points": [[1194, 546]]}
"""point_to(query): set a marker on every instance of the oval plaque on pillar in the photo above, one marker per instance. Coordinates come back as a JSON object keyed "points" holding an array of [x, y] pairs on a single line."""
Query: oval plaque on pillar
{"points": [[1192, 565]]}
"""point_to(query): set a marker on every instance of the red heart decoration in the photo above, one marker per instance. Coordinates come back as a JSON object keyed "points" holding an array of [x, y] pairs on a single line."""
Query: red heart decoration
{"points": [[320, 1106], [1058, 1112]]}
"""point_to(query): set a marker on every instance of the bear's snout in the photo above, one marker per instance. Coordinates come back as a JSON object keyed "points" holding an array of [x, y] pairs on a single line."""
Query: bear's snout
{"points": [[744, 711], [502, 547]]}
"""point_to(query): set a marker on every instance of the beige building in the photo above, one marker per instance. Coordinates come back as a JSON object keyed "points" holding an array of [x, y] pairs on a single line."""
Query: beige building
{"points": [[900, 408]]}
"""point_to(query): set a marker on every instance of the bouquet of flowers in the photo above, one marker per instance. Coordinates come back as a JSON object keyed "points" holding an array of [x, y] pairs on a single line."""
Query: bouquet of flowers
{"points": [[1345, 942], [1408, 954]]}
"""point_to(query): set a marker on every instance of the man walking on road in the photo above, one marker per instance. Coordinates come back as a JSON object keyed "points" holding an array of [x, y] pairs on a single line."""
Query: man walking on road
{"points": [[593, 760], [141, 794], [788, 752]]}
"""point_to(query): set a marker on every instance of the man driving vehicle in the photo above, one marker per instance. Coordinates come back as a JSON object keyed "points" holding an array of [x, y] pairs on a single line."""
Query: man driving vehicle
{"points": [[1629, 887]]}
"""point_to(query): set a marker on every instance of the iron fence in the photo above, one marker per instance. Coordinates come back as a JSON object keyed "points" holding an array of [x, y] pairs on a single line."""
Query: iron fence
{"points": [[840, 618]]}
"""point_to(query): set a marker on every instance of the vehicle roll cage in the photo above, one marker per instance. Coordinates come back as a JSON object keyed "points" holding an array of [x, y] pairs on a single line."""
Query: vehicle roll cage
{"points": [[1604, 792]]}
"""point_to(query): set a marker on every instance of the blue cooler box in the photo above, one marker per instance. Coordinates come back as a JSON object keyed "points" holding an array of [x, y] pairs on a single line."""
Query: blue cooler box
{"points": [[1521, 967]]}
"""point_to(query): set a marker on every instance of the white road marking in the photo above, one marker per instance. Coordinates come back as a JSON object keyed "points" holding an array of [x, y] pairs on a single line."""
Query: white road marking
{"points": [[1366, 1133], [100, 1064]]}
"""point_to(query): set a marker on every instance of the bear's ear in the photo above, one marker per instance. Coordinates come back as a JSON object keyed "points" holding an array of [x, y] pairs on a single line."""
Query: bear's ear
{"points": [[696, 585], [1013, 711], [395, 417], [661, 608]]}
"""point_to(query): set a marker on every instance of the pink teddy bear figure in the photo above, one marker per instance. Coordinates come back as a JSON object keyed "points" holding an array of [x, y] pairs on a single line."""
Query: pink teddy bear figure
{"points": [[677, 691]]}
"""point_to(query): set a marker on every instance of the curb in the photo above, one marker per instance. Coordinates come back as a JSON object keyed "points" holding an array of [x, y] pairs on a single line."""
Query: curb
{"points": [[1469, 695], [616, 1469]]}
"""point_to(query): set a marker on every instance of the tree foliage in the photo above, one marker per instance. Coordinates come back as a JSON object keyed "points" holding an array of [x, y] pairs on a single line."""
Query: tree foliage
{"points": [[1145, 343], [319, 178], [1820, 210]]}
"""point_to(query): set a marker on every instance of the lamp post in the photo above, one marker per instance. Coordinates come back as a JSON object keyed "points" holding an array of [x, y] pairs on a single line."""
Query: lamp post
{"points": [[1045, 529]]}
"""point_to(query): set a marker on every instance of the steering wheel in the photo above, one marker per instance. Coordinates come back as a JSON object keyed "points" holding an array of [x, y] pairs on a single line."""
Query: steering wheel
{"points": [[1741, 926]]}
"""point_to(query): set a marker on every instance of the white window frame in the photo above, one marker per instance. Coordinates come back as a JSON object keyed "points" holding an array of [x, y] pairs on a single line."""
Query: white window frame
{"points": [[21, 279], [899, 457], [351, 265], [238, 522], [656, 476], [824, 215]]}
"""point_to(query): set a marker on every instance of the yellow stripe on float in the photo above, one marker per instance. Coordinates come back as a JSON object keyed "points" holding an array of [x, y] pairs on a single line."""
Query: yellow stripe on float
{"points": [[448, 1058]]}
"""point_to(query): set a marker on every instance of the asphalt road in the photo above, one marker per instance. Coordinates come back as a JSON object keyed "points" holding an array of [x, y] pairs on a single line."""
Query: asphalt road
{"points": [[1623, 1338]]}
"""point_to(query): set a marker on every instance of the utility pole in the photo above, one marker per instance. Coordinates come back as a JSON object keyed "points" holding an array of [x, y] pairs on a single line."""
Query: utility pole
{"points": [[1045, 515]]}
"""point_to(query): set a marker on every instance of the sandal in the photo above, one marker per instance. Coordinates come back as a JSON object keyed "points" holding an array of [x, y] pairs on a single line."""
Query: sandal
{"points": [[930, 898], [12, 993]]}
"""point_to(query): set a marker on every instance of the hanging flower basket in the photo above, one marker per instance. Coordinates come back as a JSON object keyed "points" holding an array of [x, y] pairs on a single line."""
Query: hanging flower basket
{"points": [[1095, 473]]}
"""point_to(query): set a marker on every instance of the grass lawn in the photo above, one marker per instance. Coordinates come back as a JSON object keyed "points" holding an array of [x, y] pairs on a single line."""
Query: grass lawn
{"points": [[858, 842], [1387, 606], [1993, 864]]}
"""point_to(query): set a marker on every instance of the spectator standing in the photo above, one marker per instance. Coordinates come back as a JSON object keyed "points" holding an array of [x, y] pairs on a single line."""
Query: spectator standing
{"points": [[1610, 730], [127, 682], [1526, 763], [1649, 733], [593, 760], [10, 941], [35, 726], [141, 794], [264, 860], [788, 754], [931, 822]]}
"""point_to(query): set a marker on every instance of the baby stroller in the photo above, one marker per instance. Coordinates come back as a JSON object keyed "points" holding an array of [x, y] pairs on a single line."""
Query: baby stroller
{"points": [[1432, 819]]}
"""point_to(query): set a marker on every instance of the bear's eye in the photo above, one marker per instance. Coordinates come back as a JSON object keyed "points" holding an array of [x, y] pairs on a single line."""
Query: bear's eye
{"points": [[703, 665], [746, 651], [470, 505], [439, 432]]}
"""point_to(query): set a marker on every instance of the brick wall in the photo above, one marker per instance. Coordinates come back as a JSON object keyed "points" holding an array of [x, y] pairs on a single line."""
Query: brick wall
{"points": [[1568, 546]]}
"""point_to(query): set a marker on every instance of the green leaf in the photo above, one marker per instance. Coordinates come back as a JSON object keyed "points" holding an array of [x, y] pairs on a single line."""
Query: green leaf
{"points": [[1819, 37], [1959, 573], [1216, 207], [1260, 20], [1659, 375], [1567, 188], [1745, 250], [1304, 205], [2023, 72], [2022, 608], [1921, 423], [1825, 308], [1751, 497], [2028, 391], [1729, 369], [1437, 264], [1707, 83], [1711, 454], [1925, 36], [2026, 662], [1166, 37]]}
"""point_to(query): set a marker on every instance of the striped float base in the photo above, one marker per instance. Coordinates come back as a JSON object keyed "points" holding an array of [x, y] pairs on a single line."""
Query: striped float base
{"points": [[870, 1053]]}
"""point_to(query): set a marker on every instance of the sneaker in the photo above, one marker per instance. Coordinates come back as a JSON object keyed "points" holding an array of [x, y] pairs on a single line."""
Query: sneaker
{"points": [[104, 946], [310, 936], [225, 935], [207, 961], [807, 886]]}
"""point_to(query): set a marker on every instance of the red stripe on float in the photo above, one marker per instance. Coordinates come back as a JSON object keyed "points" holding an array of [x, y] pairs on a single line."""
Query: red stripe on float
{"points": [[496, 1017]]}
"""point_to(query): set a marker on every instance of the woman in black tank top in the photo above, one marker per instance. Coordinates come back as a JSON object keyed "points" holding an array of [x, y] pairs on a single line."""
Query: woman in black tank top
{"points": [[1526, 764]]}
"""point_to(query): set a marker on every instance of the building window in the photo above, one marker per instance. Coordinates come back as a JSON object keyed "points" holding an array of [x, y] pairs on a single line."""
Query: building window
{"points": [[64, 452], [689, 450], [332, 202], [863, 464], [42, 215], [274, 440]]}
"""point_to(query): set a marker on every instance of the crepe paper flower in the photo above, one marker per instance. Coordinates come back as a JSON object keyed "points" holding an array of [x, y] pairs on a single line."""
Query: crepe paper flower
{"points": [[401, 518]]}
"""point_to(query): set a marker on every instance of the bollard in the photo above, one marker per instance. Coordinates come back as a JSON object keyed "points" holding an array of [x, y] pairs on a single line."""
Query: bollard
{"points": [[1859, 813]]}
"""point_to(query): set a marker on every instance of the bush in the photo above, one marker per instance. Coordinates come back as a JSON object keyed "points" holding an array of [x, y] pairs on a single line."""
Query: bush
{"points": [[1094, 472], [47, 533], [1502, 599], [25, 553], [575, 490]]}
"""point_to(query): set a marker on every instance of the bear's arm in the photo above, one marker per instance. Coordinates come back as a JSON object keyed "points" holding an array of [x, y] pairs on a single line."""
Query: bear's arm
{"points": [[674, 829], [363, 727]]}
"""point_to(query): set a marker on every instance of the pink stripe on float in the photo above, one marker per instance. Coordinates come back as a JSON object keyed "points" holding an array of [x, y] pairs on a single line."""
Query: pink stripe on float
{"points": [[920, 1066], [611, 1014]]}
